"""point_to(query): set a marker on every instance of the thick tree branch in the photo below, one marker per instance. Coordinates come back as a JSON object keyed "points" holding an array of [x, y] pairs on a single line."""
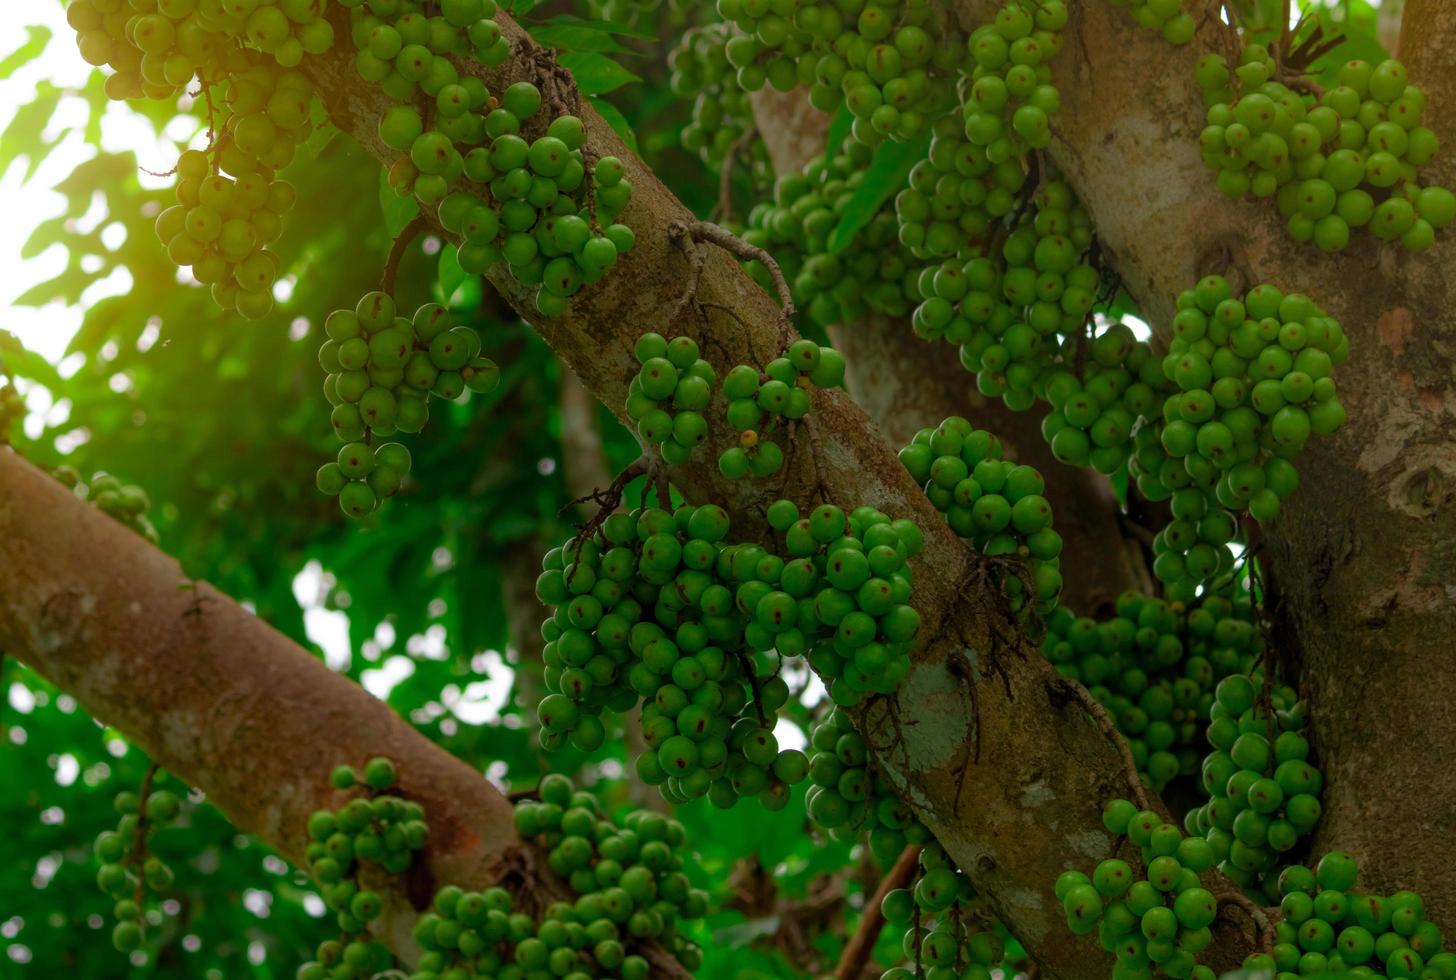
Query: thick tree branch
{"points": [[1041, 770], [793, 130], [861, 945], [520, 563], [215, 695], [583, 458], [1428, 48], [1363, 555], [209, 691]]}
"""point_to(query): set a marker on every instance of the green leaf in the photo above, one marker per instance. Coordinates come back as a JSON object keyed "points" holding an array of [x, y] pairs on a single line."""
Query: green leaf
{"points": [[450, 274], [96, 100], [66, 287], [568, 37], [596, 74], [589, 24], [616, 120], [839, 128], [23, 136], [1353, 48], [743, 933], [567, 32], [1361, 19], [885, 176], [46, 234], [324, 133], [29, 364], [34, 44]]}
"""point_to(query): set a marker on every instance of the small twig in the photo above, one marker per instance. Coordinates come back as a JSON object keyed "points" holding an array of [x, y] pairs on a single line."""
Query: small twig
{"points": [[1268, 660], [561, 97], [723, 308], [1024, 197], [139, 839], [750, 672], [204, 90], [607, 502], [1139, 532], [607, 499], [857, 951], [948, 620], [724, 210], [1230, 37], [1081, 340], [211, 122], [589, 161], [973, 733], [401, 244], [1104, 721], [1031, 184], [659, 483], [705, 231], [1000, 641], [1282, 48], [558, 89], [895, 740], [678, 234], [919, 934], [1237, 899], [791, 432], [816, 450], [1314, 49], [1307, 85]]}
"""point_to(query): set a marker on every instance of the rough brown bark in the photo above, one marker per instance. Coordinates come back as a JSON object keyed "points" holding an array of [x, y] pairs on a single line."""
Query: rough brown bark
{"points": [[861, 945], [1005, 769], [583, 458], [520, 563], [793, 131], [1427, 36], [906, 384], [215, 695], [1365, 553]]}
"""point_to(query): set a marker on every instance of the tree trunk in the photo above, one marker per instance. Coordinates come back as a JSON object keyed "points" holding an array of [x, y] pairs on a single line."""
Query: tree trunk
{"points": [[982, 738], [1364, 555], [520, 564], [583, 457]]}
